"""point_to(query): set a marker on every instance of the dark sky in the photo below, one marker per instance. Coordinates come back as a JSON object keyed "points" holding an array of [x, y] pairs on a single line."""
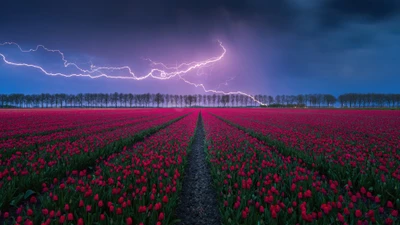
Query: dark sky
{"points": [[274, 47]]}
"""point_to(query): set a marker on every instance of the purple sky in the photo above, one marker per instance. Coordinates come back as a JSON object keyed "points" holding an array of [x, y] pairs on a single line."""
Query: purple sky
{"points": [[273, 47]]}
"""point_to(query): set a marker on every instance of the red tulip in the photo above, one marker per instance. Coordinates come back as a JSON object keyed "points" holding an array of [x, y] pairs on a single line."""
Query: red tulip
{"points": [[70, 217], [45, 211], [300, 195], [244, 214], [340, 217], [129, 221], [236, 205], [142, 209], [161, 216], [307, 194], [80, 221], [157, 206], [269, 199], [358, 213], [33, 200], [165, 199], [388, 221], [120, 200], [370, 213], [273, 214], [118, 211], [62, 219]]}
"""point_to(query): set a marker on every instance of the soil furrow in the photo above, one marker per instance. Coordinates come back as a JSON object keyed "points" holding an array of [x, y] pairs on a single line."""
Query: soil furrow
{"points": [[198, 201]]}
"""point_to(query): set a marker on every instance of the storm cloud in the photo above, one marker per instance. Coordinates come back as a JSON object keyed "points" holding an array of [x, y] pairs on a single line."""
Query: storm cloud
{"points": [[291, 46]]}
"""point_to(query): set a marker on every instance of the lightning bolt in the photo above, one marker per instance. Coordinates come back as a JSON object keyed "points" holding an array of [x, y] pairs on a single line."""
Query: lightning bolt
{"points": [[163, 72], [225, 83], [221, 92]]}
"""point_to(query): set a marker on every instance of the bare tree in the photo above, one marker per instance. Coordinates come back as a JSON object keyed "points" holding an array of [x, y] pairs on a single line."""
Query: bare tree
{"points": [[158, 99], [209, 99], [167, 99], [214, 98], [233, 98]]}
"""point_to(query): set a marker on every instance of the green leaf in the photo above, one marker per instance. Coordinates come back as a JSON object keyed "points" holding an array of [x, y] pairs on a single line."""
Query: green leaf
{"points": [[175, 221], [16, 200], [28, 194]]}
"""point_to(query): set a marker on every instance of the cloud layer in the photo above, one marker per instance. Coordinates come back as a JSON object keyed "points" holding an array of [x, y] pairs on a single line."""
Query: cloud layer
{"points": [[287, 44]]}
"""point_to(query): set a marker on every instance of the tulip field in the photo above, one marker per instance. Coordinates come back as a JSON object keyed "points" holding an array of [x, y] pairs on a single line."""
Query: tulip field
{"points": [[300, 166], [268, 166]]}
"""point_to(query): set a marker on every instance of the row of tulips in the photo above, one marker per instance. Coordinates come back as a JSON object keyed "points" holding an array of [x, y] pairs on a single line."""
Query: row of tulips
{"points": [[361, 146], [28, 171], [92, 138], [256, 184], [33, 142], [138, 185], [21, 123]]}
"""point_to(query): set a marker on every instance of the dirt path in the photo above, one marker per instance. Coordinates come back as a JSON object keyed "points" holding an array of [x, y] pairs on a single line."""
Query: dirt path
{"points": [[198, 202]]}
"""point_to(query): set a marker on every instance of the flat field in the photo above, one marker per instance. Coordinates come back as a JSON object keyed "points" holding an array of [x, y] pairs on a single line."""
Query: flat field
{"points": [[265, 166]]}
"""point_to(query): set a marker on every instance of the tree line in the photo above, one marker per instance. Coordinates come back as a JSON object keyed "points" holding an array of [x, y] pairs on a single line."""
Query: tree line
{"points": [[100, 100], [370, 100]]}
